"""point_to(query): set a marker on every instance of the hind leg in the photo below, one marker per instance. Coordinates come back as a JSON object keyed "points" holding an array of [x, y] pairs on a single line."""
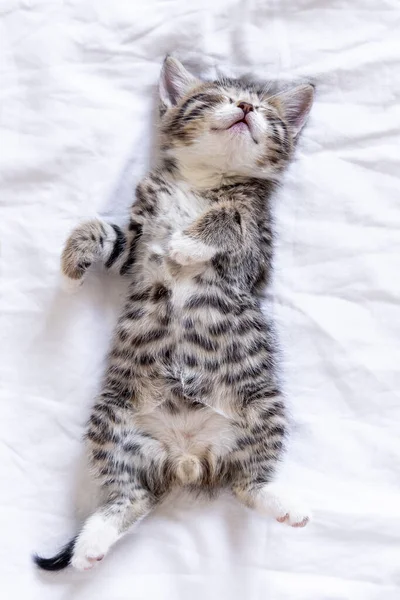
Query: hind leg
{"points": [[260, 447], [128, 468], [106, 526]]}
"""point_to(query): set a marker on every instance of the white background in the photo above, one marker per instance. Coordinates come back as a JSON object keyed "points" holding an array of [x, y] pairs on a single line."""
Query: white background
{"points": [[76, 111]]}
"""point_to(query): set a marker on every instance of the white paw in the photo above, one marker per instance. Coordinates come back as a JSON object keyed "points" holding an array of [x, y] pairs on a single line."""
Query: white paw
{"points": [[93, 543], [283, 507], [180, 249], [82, 562], [70, 285], [295, 518], [185, 250]]}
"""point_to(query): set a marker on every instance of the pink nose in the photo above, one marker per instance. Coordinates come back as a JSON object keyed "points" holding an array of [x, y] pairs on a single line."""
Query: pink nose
{"points": [[246, 107]]}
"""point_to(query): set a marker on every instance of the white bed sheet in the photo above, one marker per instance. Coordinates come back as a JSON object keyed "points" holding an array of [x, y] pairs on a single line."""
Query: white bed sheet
{"points": [[77, 87]]}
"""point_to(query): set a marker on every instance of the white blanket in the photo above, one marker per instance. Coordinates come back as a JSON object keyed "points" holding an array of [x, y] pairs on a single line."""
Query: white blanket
{"points": [[76, 111]]}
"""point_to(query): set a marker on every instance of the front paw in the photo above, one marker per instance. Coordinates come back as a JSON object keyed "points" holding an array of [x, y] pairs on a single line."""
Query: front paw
{"points": [[185, 250], [80, 252]]}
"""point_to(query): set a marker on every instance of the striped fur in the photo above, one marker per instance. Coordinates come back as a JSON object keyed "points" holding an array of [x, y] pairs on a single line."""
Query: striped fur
{"points": [[190, 395]]}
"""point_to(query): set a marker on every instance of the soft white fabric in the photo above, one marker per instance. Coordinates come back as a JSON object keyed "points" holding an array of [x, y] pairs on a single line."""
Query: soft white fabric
{"points": [[77, 103]]}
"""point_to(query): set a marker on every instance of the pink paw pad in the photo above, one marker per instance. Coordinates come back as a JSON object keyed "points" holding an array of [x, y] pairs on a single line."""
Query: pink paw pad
{"points": [[92, 560], [302, 523], [283, 519]]}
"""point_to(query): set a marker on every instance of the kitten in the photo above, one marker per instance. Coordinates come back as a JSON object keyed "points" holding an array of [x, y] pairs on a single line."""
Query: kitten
{"points": [[191, 395]]}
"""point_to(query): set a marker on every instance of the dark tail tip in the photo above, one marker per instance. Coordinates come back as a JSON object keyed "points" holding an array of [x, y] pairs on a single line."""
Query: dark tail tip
{"points": [[59, 561]]}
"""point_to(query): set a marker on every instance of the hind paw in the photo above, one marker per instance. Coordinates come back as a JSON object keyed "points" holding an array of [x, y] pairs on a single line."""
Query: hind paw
{"points": [[95, 540], [296, 519], [284, 508], [271, 500], [85, 563], [89, 552]]}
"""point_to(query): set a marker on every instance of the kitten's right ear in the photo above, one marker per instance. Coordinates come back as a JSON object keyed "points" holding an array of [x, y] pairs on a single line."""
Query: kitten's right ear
{"points": [[175, 82]]}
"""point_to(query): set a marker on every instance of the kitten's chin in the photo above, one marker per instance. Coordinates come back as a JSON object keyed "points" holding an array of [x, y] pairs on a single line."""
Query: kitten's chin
{"points": [[219, 158]]}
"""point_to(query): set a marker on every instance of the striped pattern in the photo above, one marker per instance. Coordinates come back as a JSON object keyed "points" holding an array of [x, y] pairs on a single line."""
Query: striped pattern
{"points": [[191, 394]]}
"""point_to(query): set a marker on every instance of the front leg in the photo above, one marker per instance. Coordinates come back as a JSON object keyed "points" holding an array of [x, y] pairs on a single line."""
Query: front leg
{"points": [[220, 229], [98, 241]]}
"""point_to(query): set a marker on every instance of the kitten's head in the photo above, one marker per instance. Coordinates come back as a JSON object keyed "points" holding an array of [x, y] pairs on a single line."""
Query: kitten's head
{"points": [[228, 128]]}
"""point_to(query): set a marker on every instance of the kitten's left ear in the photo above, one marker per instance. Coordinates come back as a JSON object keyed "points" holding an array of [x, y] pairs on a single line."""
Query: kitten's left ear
{"points": [[175, 82], [297, 104]]}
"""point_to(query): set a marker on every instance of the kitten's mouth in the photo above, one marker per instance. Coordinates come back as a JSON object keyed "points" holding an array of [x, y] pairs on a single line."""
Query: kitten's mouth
{"points": [[239, 125], [239, 121], [242, 125]]}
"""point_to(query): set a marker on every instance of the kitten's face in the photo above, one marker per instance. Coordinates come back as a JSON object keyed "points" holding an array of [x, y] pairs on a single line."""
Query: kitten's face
{"points": [[227, 127]]}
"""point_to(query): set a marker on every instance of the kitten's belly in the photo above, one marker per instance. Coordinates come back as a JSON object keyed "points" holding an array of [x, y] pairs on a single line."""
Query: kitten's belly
{"points": [[192, 438]]}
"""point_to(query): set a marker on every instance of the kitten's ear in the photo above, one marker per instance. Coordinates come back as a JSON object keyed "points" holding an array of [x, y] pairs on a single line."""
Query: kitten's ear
{"points": [[297, 104], [175, 81]]}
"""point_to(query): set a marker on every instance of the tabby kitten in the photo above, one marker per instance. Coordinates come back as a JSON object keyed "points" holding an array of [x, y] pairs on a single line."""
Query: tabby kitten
{"points": [[190, 395]]}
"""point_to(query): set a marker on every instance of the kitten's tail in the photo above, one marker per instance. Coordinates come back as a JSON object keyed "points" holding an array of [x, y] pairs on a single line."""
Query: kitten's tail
{"points": [[188, 469], [59, 561]]}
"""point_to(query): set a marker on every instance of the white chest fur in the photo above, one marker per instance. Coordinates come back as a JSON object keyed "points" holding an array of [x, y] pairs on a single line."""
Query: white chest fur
{"points": [[176, 211]]}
